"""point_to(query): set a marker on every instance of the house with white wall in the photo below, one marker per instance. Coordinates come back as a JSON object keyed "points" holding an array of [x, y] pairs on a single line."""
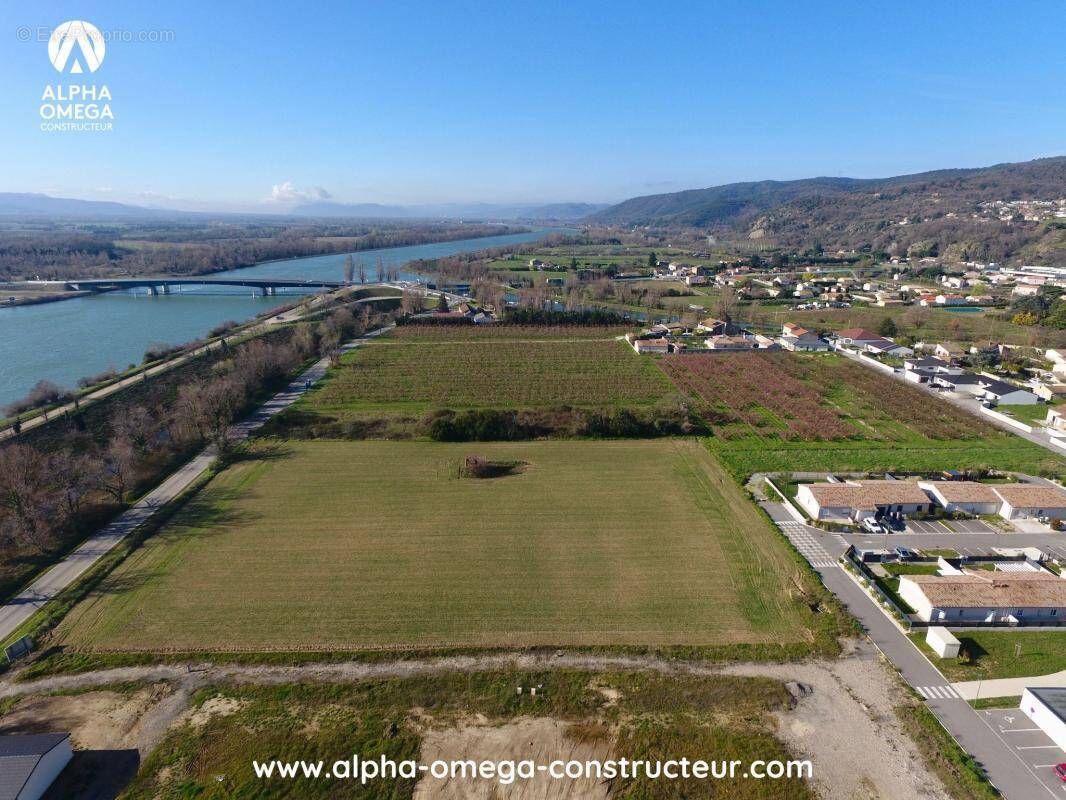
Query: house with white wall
{"points": [[858, 500], [1030, 501], [969, 497], [1037, 597]]}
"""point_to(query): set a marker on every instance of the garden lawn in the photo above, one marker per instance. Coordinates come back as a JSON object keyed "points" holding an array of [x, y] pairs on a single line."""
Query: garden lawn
{"points": [[1042, 653], [351, 545]]}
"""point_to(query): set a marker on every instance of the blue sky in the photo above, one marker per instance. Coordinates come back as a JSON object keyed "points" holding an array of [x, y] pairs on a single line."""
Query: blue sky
{"points": [[402, 102]]}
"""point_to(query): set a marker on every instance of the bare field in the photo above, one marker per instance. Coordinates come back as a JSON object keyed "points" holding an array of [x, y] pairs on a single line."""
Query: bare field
{"points": [[342, 545]]}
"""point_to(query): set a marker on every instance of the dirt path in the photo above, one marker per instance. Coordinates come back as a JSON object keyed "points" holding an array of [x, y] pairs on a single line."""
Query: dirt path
{"points": [[843, 718]]}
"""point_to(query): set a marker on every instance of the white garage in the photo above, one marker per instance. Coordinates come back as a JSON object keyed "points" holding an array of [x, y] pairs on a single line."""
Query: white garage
{"points": [[1047, 708]]}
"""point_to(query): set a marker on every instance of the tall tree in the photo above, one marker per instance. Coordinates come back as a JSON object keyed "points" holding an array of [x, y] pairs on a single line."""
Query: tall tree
{"points": [[349, 268]]}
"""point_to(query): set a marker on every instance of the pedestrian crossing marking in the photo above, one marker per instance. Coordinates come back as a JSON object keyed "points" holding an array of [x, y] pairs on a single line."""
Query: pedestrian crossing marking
{"points": [[938, 692]]}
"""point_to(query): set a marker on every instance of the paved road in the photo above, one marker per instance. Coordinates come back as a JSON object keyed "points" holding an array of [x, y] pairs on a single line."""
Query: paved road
{"points": [[1012, 775], [47, 586]]}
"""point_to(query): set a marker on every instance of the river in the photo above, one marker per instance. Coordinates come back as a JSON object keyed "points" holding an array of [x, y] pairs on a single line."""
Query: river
{"points": [[71, 339]]}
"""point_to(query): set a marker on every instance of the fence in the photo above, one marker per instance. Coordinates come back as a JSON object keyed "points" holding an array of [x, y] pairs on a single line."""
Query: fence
{"points": [[1008, 420]]}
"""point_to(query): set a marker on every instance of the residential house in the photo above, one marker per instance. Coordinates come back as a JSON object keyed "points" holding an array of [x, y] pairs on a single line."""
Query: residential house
{"points": [[950, 351], [661, 346], [1005, 393], [719, 327], [886, 347], [950, 300], [969, 497], [1051, 392], [857, 337], [1031, 500], [983, 596], [858, 500], [962, 383], [723, 342]]}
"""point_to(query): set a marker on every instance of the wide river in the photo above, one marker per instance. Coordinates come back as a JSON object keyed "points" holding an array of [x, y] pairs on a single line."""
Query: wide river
{"points": [[70, 339]]}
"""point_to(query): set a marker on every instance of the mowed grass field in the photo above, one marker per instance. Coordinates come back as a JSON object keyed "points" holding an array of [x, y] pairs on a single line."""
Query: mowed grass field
{"points": [[416, 372], [339, 545]]}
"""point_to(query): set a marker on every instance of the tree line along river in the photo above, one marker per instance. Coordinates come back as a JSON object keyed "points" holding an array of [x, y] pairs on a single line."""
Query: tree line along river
{"points": [[70, 339]]}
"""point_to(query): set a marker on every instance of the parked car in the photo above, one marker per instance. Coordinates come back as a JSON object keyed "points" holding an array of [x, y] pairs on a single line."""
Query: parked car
{"points": [[1060, 771], [905, 553], [307, 384], [872, 525]]}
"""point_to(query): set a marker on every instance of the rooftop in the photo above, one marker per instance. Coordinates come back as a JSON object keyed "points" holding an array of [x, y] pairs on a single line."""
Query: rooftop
{"points": [[858, 333], [993, 590], [1031, 495], [867, 495], [965, 491]]}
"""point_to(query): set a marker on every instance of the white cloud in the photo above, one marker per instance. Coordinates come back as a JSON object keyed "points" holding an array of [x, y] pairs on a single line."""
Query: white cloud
{"points": [[287, 193]]}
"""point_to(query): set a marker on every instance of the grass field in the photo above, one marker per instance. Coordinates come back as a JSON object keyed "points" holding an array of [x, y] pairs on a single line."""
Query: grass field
{"points": [[336, 545], [488, 371], [994, 654]]}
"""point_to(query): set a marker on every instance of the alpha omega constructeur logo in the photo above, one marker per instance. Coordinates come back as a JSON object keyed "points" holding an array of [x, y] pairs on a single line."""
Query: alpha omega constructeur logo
{"points": [[76, 47], [79, 34]]}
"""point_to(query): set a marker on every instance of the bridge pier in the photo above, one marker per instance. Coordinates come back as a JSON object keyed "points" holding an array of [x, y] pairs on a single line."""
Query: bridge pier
{"points": [[271, 290], [164, 289], [153, 290]]}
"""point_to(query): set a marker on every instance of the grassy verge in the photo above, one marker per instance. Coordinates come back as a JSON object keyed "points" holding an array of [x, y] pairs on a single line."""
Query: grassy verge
{"points": [[962, 776], [997, 702]]}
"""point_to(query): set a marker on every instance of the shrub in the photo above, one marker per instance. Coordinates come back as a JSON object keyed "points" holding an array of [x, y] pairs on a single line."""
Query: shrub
{"points": [[44, 393]]}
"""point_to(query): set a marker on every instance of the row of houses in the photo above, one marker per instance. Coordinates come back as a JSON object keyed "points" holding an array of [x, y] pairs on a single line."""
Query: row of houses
{"points": [[856, 500], [864, 341]]}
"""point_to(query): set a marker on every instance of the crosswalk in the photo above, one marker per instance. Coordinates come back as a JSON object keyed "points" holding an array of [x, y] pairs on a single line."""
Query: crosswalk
{"points": [[806, 542], [944, 692]]}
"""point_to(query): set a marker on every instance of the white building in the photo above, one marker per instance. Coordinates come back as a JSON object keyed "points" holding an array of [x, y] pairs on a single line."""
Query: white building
{"points": [[1047, 709], [30, 764], [942, 641], [1030, 500], [982, 596], [858, 500], [968, 497]]}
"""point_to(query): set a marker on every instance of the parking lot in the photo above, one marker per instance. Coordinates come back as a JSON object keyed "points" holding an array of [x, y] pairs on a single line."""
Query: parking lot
{"points": [[1029, 743]]}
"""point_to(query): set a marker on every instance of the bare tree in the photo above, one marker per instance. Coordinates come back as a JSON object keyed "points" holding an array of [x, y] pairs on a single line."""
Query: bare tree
{"points": [[24, 495], [381, 270], [362, 271], [120, 460], [349, 268], [727, 304]]}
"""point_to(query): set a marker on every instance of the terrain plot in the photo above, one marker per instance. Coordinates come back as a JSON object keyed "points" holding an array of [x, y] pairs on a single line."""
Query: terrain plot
{"points": [[337, 545]]}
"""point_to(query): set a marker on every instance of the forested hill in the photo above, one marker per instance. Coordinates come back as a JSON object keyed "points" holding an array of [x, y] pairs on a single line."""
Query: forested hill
{"points": [[928, 211]]}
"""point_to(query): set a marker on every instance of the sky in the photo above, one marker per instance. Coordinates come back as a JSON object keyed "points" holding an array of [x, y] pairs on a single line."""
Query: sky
{"points": [[261, 105]]}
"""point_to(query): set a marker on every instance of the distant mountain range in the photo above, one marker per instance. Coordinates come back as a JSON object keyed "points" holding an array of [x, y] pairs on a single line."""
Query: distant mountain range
{"points": [[16, 205], [477, 211], [928, 212]]}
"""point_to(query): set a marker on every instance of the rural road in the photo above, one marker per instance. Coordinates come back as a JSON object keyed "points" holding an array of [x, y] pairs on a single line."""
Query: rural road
{"points": [[45, 588], [1010, 774]]}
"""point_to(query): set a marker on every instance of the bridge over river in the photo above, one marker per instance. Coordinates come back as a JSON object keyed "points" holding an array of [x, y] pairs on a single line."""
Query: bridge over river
{"points": [[164, 284]]}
